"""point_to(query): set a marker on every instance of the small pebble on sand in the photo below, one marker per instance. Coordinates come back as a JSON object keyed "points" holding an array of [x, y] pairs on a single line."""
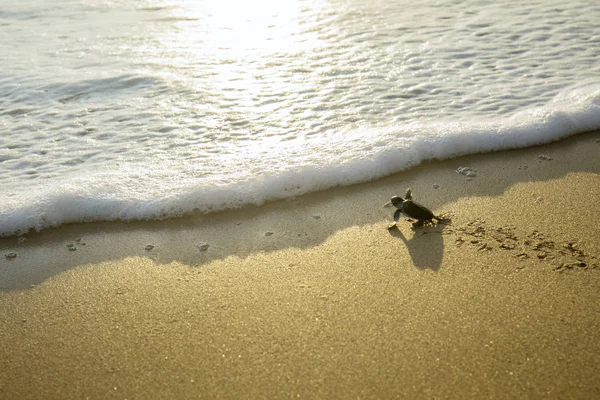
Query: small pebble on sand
{"points": [[268, 233], [316, 216], [544, 157], [467, 172], [149, 247], [436, 186], [21, 240], [10, 256], [202, 246]]}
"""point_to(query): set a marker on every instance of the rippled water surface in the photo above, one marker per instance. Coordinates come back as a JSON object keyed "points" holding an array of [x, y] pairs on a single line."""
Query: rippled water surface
{"points": [[145, 109]]}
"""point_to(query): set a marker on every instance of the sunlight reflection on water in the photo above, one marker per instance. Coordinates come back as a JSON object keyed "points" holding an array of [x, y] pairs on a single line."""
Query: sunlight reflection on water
{"points": [[169, 99]]}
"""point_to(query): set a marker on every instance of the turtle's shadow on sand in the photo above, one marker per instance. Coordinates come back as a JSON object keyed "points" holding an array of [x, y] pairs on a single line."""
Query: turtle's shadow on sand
{"points": [[302, 223], [425, 247]]}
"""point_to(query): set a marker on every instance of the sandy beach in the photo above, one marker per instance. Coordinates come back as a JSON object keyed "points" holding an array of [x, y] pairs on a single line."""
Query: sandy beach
{"points": [[314, 297]]}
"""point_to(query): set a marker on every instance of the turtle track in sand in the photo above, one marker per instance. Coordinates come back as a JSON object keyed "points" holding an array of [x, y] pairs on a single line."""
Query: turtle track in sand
{"points": [[563, 256]]}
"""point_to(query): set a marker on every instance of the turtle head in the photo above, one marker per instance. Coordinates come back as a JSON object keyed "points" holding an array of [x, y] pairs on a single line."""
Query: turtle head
{"points": [[397, 201]]}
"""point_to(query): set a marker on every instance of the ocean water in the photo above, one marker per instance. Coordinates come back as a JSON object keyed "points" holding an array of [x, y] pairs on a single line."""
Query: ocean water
{"points": [[119, 109]]}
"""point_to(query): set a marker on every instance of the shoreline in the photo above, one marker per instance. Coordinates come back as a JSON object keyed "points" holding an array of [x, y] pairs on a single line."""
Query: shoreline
{"points": [[308, 219], [313, 296]]}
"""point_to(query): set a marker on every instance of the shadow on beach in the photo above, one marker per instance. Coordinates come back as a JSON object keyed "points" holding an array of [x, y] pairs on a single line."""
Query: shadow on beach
{"points": [[425, 246], [301, 222]]}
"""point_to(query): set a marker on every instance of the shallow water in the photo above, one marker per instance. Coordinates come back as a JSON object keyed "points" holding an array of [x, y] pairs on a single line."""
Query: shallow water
{"points": [[151, 109]]}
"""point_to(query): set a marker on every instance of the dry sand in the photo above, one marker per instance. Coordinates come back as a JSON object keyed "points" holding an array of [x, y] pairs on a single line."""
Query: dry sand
{"points": [[314, 298]]}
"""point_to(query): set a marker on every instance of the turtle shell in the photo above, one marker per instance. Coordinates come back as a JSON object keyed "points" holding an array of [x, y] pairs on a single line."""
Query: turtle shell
{"points": [[416, 211]]}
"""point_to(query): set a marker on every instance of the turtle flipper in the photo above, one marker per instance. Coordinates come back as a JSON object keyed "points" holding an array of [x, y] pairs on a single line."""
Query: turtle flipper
{"points": [[417, 224], [408, 194], [443, 220], [396, 219], [397, 215]]}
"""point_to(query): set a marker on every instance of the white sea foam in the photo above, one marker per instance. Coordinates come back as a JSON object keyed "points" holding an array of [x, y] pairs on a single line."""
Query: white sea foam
{"points": [[293, 168], [127, 110]]}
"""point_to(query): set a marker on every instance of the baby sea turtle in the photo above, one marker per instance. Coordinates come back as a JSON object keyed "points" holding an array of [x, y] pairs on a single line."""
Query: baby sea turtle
{"points": [[411, 209]]}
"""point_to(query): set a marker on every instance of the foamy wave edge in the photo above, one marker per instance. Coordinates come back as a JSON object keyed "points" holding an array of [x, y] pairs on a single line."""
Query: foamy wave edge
{"points": [[351, 159]]}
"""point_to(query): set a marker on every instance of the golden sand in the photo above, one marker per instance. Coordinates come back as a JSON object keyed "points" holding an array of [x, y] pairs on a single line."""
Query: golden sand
{"points": [[314, 297]]}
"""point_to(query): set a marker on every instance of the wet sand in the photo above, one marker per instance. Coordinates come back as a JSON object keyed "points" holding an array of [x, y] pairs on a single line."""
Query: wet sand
{"points": [[314, 297]]}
